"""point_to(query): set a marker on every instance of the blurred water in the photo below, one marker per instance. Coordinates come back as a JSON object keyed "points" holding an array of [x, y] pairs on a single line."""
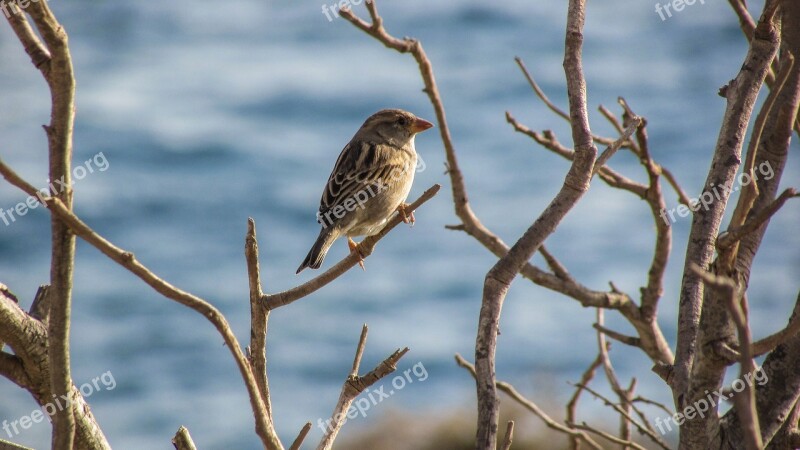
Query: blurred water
{"points": [[211, 112]]}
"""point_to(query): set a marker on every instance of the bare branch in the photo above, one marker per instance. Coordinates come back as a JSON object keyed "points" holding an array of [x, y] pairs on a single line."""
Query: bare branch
{"points": [[608, 436], [746, 21], [572, 405], [683, 199], [750, 191], [640, 399], [39, 54], [613, 120], [625, 395], [734, 235], [355, 385], [259, 319], [298, 441], [500, 276], [767, 344], [414, 47], [362, 342], [53, 59], [627, 340], [550, 105], [548, 140], [183, 440], [40, 307], [748, 26], [509, 436], [127, 260], [611, 149], [532, 407], [741, 94], [746, 399], [632, 420], [11, 367], [6, 445], [365, 248], [539, 92], [558, 269]]}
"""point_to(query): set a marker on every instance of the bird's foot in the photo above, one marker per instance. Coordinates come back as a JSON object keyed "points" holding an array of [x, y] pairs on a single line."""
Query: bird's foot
{"points": [[408, 216], [354, 249]]}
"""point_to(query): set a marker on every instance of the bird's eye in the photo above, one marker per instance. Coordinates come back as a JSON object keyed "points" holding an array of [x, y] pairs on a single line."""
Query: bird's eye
{"points": [[402, 121]]}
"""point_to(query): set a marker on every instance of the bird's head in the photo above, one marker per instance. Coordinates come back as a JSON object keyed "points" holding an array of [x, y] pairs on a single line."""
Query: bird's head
{"points": [[393, 126]]}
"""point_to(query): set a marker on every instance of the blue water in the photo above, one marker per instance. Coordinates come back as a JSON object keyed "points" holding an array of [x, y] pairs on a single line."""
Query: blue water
{"points": [[210, 112]]}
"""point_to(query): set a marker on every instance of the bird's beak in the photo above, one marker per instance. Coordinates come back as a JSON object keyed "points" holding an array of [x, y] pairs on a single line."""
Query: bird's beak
{"points": [[420, 125]]}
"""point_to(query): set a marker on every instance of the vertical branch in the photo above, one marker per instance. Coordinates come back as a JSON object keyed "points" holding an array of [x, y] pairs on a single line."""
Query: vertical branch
{"points": [[508, 439], [750, 191], [259, 318], [741, 95], [60, 79], [745, 400], [498, 279], [573, 69]]}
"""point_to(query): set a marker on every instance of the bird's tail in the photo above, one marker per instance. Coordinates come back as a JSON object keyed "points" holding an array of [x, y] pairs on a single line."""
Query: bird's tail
{"points": [[317, 253]]}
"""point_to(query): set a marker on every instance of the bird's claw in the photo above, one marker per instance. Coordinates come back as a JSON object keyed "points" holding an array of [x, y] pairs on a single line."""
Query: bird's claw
{"points": [[408, 216], [354, 249]]}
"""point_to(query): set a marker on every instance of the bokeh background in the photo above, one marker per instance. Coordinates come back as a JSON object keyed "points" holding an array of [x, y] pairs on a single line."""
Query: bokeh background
{"points": [[209, 112]]}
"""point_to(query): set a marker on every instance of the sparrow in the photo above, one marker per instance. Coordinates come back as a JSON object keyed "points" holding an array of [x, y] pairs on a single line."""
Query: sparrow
{"points": [[369, 182]]}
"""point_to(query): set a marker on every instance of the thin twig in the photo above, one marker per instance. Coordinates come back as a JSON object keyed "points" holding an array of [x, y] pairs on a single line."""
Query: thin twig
{"points": [[555, 265], [354, 385], [642, 429], [298, 441], [572, 405], [767, 344], [531, 406], [539, 92], [509, 436], [608, 436], [625, 395], [640, 399], [548, 140], [183, 440], [550, 105], [611, 149], [734, 235], [625, 339], [362, 342]]}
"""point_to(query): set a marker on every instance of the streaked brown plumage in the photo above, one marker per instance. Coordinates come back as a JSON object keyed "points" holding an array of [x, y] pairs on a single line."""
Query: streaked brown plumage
{"points": [[369, 182]]}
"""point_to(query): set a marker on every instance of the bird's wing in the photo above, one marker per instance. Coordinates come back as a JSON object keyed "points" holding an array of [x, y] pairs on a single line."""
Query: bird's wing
{"points": [[362, 167]]}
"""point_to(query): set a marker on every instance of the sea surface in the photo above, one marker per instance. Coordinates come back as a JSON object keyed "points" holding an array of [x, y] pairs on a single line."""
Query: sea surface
{"points": [[204, 113]]}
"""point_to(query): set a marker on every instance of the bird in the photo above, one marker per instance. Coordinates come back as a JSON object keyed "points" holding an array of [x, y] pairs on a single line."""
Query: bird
{"points": [[369, 182]]}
